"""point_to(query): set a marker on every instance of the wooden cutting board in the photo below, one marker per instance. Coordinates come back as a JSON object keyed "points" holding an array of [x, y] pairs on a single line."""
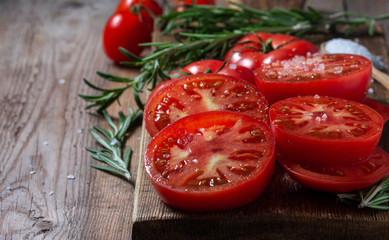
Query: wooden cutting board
{"points": [[285, 210]]}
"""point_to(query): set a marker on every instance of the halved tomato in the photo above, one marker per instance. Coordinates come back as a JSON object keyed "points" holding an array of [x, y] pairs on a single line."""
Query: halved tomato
{"points": [[380, 107], [337, 75], [178, 98], [343, 178], [211, 161], [325, 131]]}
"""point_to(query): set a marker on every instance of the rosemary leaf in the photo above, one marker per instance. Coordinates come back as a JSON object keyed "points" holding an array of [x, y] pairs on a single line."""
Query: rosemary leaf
{"points": [[376, 196], [111, 141]]}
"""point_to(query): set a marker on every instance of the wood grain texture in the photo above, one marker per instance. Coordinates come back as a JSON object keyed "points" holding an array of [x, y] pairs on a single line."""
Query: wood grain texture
{"points": [[47, 47], [285, 210]]}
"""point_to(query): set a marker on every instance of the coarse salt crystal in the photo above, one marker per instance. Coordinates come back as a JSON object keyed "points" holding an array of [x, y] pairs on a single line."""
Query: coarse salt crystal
{"points": [[316, 96], [370, 90], [62, 81], [9, 187], [324, 116], [341, 45], [71, 177], [338, 70], [232, 66], [45, 143], [32, 172], [80, 130], [51, 193]]}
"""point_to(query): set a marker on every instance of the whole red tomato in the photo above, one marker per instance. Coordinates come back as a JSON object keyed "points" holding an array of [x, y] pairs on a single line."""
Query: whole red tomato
{"points": [[144, 15], [215, 66], [181, 4], [153, 6], [127, 30], [263, 48]]}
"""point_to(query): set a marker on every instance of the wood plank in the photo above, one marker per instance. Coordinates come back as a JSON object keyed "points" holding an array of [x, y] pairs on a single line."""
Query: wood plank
{"points": [[43, 130], [284, 210], [43, 125]]}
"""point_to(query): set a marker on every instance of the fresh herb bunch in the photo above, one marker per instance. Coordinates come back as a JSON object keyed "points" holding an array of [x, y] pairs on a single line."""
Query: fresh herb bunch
{"points": [[210, 19], [112, 142], [208, 32], [376, 196], [204, 32]]}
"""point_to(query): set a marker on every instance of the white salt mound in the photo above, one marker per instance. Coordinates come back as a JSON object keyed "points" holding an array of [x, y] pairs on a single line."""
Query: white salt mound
{"points": [[341, 45]]}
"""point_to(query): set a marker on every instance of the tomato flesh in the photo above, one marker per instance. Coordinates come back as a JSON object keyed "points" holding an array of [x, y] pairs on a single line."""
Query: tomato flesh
{"points": [[325, 131], [342, 178], [178, 98], [338, 75], [211, 161]]}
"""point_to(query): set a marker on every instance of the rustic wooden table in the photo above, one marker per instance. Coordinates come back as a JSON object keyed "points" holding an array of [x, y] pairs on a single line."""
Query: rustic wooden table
{"points": [[46, 48]]}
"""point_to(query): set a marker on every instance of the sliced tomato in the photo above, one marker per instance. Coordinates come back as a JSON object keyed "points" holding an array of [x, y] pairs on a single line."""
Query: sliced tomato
{"points": [[342, 178], [254, 50], [338, 75], [380, 107], [211, 161], [325, 131], [178, 98]]}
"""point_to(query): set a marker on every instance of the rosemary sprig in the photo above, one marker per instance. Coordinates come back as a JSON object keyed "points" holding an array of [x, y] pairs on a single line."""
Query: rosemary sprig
{"points": [[112, 140], [204, 32], [376, 196], [216, 19]]}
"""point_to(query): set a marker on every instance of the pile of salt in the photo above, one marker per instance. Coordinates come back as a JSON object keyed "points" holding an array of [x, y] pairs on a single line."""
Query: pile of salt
{"points": [[341, 45]]}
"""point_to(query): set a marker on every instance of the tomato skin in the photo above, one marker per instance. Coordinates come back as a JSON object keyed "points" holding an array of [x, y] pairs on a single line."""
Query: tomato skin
{"points": [[203, 66], [216, 66], [181, 3], [117, 33], [343, 178], [153, 6], [380, 107], [239, 72], [325, 131], [351, 85], [248, 51], [239, 191], [178, 98]]}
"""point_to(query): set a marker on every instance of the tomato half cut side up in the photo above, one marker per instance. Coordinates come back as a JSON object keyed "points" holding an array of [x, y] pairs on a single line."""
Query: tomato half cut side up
{"points": [[343, 178], [325, 131], [181, 97], [337, 75], [211, 161]]}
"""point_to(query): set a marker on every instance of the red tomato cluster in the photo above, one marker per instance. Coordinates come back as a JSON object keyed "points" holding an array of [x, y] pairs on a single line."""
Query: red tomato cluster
{"points": [[215, 136], [130, 25]]}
